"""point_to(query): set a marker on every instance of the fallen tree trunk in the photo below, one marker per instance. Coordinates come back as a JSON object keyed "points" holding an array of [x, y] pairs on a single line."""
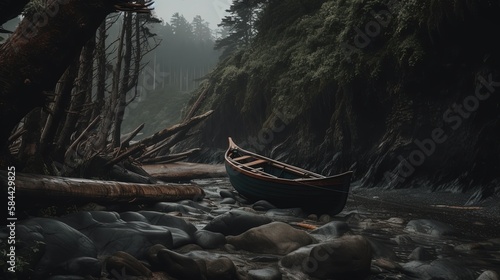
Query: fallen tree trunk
{"points": [[164, 134], [171, 157], [181, 171], [61, 188]]}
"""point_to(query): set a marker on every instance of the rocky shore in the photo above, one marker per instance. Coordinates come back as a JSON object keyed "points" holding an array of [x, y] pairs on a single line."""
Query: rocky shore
{"points": [[379, 235]]}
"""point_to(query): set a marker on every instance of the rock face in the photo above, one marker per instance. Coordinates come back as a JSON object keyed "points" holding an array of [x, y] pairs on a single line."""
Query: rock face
{"points": [[274, 238], [399, 106]]}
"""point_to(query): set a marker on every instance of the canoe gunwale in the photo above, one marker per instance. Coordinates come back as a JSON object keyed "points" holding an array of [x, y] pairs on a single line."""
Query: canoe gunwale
{"points": [[313, 178]]}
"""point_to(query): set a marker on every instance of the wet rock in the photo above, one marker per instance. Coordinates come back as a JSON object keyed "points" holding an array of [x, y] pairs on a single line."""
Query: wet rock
{"points": [[269, 273], [274, 238], [438, 269], [152, 255], [228, 200], [395, 220], [131, 237], [430, 227], [299, 259], [168, 207], [83, 266], [331, 230], [382, 250], [489, 275], [469, 247], [220, 269], [266, 258], [263, 205], [236, 222], [195, 205], [387, 265], [209, 240], [312, 217], [287, 212], [346, 258], [325, 218], [133, 217], [226, 194], [189, 248], [178, 265], [419, 254], [403, 240], [121, 263], [61, 243], [181, 230]]}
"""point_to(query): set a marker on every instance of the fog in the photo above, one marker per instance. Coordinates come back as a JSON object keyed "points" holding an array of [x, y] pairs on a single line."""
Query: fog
{"points": [[210, 10]]}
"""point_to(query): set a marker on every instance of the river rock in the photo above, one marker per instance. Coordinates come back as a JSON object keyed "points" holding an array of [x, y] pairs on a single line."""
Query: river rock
{"points": [[196, 205], [179, 266], [489, 275], [268, 273], [132, 216], [62, 243], [403, 240], [263, 205], [430, 227], [274, 238], [226, 194], [182, 231], [168, 207], [236, 222], [121, 263], [331, 230], [228, 200], [286, 212], [382, 250], [347, 257], [209, 240], [438, 269], [419, 254], [82, 266], [220, 269]]}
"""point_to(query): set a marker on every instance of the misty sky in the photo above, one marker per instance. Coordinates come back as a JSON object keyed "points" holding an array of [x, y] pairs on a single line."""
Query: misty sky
{"points": [[210, 10]]}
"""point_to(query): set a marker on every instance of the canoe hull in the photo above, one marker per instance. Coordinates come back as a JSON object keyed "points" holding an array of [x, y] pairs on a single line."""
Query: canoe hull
{"points": [[314, 195]]}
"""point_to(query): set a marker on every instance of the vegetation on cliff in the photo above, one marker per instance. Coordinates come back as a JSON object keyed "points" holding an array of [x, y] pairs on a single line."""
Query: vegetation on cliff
{"points": [[404, 93]]}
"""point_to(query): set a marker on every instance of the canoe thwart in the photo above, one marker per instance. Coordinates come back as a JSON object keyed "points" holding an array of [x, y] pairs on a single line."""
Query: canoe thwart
{"points": [[255, 162]]}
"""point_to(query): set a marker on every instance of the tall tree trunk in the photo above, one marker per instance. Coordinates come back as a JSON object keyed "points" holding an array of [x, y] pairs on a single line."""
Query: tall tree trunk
{"points": [[79, 96], [101, 71], [124, 81], [62, 101]]}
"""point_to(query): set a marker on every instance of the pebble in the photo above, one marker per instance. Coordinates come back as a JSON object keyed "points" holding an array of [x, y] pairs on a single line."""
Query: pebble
{"points": [[264, 274]]}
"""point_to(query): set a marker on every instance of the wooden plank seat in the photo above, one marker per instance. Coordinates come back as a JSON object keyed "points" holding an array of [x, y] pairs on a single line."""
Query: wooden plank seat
{"points": [[255, 162], [242, 158]]}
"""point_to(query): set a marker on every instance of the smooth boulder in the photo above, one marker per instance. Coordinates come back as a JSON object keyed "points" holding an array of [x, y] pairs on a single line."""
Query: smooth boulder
{"points": [[274, 238], [236, 222]]}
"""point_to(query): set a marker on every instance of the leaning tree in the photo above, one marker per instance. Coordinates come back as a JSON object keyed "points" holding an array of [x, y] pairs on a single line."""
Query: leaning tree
{"points": [[40, 50]]}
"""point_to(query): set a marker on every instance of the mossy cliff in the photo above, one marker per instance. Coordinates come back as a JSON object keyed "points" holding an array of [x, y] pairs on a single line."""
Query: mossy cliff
{"points": [[403, 93]]}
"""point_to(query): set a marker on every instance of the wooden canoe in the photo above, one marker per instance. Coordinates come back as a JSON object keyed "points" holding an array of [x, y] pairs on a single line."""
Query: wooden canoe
{"points": [[260, 178]]}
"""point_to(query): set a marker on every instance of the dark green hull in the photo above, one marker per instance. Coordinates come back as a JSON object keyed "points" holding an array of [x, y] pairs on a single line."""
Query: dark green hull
{"points": [[315, 193]]}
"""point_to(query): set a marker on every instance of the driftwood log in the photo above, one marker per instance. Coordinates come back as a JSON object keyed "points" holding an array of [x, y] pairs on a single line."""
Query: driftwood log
{"points": [[42, 187], [180, 171]]}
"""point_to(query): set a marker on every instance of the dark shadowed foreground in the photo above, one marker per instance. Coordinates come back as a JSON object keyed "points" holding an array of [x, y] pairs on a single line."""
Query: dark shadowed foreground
{"points": [[404, 234]]}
